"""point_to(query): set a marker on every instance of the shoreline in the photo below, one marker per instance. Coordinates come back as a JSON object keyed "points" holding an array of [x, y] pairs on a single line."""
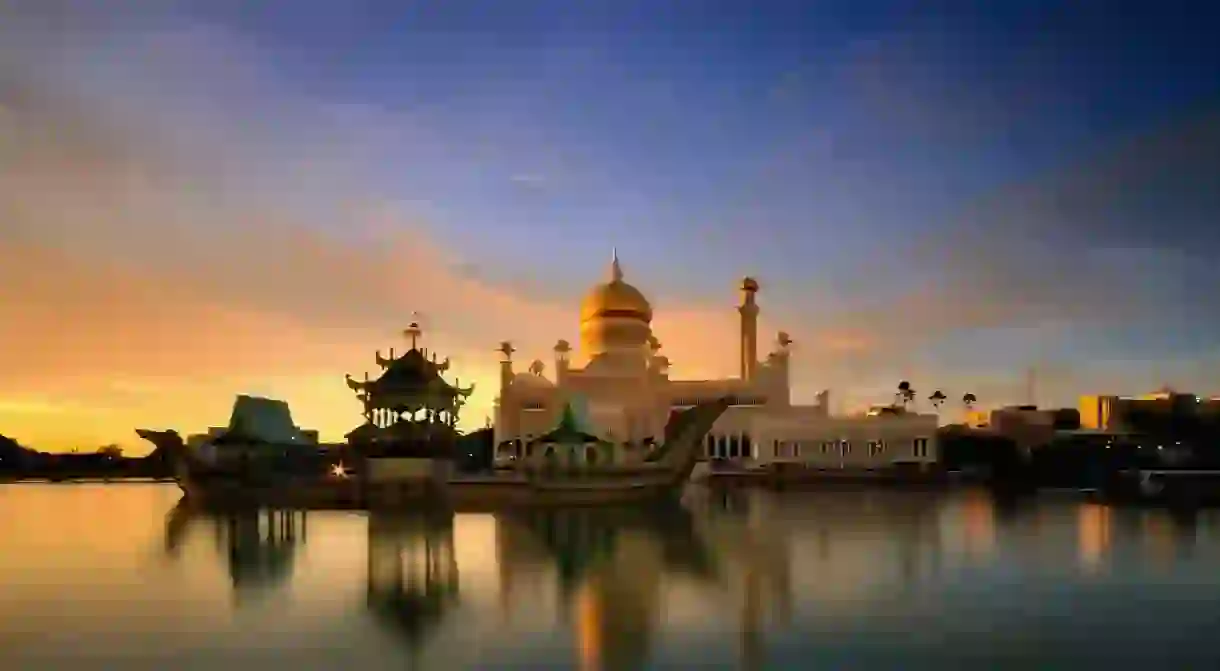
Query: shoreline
{"points": [[56, 479]]}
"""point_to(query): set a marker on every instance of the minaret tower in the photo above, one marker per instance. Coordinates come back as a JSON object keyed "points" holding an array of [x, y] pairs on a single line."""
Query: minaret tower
{"points": [[749, 328], [506, 366], [563, 353]]}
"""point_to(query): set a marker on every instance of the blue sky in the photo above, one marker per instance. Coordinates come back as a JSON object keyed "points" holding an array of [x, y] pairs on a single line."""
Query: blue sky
{"points": [[949, 191]]}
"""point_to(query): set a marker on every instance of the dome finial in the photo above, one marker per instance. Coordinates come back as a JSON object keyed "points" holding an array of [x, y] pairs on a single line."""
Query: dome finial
{"points": [[616, 271]]}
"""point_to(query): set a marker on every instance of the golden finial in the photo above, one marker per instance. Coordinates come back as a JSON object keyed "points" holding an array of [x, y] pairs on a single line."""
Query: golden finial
{"points": [[413, 331], [616, 270]]}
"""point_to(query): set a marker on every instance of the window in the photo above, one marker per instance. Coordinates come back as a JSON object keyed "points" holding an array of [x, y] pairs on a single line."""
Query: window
{"points": [[845, 446], [921, 447], [876, 447], [826, 447]]}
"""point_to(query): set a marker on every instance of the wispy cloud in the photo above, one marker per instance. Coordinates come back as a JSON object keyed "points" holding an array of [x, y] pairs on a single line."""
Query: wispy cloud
{"points": [[185, 223], [127, 259], [529, 180]]}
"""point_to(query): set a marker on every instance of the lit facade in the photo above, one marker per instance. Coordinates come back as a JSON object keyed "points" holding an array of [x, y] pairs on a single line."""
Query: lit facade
{"points": [[1110, 412], [624, 393]]}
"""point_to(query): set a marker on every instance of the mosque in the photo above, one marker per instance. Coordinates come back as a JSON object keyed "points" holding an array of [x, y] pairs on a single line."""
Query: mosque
{"points": [[624, 394]]}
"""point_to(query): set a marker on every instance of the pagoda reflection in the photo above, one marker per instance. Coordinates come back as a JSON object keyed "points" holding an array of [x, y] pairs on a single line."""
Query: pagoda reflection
{"points": [[611, 565], [260, 546], [412, 574]]}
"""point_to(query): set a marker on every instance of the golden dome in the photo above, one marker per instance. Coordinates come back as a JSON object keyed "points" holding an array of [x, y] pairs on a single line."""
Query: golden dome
{"points": [[615, 298]]}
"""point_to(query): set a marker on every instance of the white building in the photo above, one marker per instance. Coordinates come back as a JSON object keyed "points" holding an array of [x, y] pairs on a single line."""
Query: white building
{"points": [[625, 394]]}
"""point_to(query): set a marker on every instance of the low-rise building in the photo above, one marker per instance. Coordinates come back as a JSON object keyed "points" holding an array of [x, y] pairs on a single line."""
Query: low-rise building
{"points": [[1027, 426], [1108, 412], [868, 443]]}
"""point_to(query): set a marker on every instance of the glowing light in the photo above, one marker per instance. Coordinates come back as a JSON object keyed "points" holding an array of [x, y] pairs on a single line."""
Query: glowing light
{"points": [[338, 470]]}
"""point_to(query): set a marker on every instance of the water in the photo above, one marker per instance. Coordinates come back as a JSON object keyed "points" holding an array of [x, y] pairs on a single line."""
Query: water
{"points": [[109, 576]]}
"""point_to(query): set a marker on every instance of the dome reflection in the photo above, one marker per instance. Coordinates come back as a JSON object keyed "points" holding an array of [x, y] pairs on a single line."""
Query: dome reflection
{"points": [[611, 567]]}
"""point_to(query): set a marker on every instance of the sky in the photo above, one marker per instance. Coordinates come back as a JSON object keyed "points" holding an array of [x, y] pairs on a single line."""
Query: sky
{"points": [[199, 199]]}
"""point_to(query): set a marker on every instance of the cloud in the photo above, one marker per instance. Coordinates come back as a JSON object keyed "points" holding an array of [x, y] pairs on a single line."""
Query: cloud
{"points": [[184, 225], [152, 282], [529, 180]]}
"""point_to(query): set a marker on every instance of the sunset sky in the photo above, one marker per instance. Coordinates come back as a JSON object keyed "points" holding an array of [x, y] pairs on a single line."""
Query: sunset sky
{"points": [[199, 199]]}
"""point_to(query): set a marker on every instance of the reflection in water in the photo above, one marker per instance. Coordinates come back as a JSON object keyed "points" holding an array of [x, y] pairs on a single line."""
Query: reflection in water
{"points": [[745, 579], [1094, 537], [978, 523], [611, 564], [1185, 532], [412, 576], [260, 545]]}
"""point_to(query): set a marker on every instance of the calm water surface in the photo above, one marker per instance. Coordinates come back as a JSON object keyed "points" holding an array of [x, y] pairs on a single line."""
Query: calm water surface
{"points": [[96, 576]]}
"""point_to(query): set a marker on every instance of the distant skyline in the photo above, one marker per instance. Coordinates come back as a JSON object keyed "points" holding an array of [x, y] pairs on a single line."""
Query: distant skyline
{"points": [[201, 199]]}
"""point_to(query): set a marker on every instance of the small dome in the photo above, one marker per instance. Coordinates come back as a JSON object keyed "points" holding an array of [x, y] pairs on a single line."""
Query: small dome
{"points": [[530, 380], [615, 298]]}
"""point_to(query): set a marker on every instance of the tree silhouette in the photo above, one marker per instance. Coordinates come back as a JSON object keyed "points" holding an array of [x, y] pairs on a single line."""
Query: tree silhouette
{"points": [[937, 398], [969, 400], [110, 451]]}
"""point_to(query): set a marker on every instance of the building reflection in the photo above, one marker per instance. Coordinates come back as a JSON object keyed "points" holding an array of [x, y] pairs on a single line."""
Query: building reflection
{"points": [[1094, 535], [612, 565], [412, 575], [1185, 525], [748, 528], [978, 521], [260, 546]]}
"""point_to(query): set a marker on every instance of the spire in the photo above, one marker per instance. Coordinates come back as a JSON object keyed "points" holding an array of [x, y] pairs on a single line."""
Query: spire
{"points": [[413, 331], [568, 421], [616, 271]]}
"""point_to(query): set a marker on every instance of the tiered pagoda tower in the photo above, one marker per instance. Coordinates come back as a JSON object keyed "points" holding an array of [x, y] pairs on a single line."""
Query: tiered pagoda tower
{"points": [[410, 411]]}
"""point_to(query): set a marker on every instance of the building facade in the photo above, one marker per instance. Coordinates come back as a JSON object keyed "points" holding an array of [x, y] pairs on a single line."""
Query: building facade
{"points": [[1113, 413], [624, 393]]}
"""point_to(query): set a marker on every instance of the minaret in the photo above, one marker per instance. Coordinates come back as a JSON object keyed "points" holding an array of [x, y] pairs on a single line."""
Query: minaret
{"points": [[563, 350], [506, 366], [506, 411], [749, 328]]}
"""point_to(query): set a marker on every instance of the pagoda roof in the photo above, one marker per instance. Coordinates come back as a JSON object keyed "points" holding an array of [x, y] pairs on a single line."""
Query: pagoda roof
{"points": [[410, 371], [410, 374]]}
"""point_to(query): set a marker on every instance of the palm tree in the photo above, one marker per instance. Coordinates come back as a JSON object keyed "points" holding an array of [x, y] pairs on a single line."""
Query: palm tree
{"points": [[937, 398], [906, 394], [969, 400], [111, 451]]}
